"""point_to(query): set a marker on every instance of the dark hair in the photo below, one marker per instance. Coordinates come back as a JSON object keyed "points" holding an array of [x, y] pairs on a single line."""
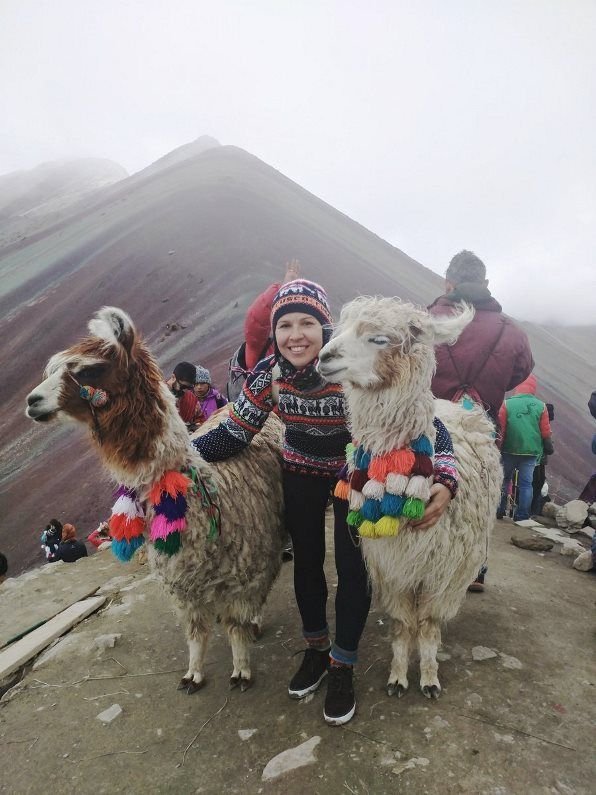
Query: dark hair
{"points": [[466, 267], [185, 371], [55, 523], [3, 564]]}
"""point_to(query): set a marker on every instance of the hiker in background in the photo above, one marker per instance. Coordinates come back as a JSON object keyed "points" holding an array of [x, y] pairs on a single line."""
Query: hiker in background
{"points": [[69, 549], [588, 493], [182, 384], [258, 341], [539, 479], [100, 537], [3, 567], [491, 356], [257, 323], [51, 537], [209, 398], [526, 436]]}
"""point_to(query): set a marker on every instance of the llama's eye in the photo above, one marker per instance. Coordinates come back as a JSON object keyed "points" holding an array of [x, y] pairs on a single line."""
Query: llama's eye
{"points": [[379, 340], [92, 371]]}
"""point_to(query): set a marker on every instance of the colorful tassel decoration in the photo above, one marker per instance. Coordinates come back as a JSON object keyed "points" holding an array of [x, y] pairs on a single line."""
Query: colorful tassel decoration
{"points": [[371, 510], [367, 530], [414, 508], [418, 487], [124, 550], [383, 488], [356, 500], [354, 518], [422, 444], [423, 465], [396, 484], [358, 479], [342, 490], [392, 504], [378, 467], [373, 490], [170, 545], [387, 526]]}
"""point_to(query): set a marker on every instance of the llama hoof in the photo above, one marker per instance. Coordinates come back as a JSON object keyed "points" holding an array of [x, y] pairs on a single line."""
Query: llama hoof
{"points": [[194, 686], [245, 684], [431, 691], [395, 689], [184, 683], [234, 682]]}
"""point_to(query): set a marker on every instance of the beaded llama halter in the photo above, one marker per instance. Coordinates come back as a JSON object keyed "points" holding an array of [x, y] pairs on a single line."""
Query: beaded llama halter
{"points": [[168, 498], [383, 489]]}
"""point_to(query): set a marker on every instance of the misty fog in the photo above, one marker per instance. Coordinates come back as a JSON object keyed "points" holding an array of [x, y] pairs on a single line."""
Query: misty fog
{"points": [[439, 126]]}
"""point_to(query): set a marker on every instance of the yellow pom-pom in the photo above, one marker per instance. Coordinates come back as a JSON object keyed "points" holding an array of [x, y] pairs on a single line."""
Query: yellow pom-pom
{"points": [[367, 530], [387, 526]]}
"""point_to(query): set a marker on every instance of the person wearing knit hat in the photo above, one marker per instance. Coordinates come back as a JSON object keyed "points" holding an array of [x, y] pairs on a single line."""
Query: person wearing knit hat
{"points": [[210, 399], [315, 437], [69, 549]]}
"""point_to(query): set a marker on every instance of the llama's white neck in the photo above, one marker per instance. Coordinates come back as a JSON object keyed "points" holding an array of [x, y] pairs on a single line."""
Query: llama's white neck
{"points": [[387, 419]]}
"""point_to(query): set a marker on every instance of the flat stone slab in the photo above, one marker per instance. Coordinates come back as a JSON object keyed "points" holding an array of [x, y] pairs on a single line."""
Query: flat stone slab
{"points": [[533, 543], [35, 597], [20, 652]]}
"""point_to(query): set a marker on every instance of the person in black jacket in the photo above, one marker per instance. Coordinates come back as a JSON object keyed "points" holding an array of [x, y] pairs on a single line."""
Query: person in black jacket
{"points": [[69, 549]]}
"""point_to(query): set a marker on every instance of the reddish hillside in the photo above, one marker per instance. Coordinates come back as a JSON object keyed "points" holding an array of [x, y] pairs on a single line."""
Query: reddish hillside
{"points": [[191, 243]]}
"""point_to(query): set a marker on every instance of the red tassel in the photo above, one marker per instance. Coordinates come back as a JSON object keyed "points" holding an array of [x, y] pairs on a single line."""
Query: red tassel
{"points": [[172, 483], [423, 465], [358, 479]]}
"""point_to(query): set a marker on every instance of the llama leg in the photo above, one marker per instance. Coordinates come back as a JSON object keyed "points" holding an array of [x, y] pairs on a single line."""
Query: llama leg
{"points": [[429, 640], [241, 636], [197, 635], [402, 633], [256, 624]]}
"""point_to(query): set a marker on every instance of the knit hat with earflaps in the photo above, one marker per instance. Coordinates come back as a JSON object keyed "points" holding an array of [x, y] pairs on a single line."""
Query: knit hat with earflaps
{"points": [[301, 296], [203, 375]]}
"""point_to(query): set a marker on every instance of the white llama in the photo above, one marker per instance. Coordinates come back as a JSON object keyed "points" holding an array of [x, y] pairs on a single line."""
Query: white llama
{"points": [[231, 548], [382, 354]]}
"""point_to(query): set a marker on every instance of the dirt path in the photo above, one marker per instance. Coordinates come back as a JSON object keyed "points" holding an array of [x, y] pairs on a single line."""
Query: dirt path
{"points": [[519, 722]]}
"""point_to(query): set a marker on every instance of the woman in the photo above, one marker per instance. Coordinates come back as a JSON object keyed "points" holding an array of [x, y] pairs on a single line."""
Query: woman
{"points": [[315, 438]]}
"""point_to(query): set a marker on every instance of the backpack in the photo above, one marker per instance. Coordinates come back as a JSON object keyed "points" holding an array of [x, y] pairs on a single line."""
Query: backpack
{"points": [[466, 394], [238, 372]]}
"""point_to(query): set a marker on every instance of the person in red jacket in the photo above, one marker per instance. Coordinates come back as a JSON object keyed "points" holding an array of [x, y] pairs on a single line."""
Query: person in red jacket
{"points": [[491, 356], [257, 323]]}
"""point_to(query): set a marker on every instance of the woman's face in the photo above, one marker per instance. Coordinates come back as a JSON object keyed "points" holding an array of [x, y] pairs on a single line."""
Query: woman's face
{"points": [[299, 338]]}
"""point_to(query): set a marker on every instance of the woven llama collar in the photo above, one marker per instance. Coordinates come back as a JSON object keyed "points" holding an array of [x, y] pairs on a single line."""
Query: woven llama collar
{"points": [[168, 499], [384, 490]]}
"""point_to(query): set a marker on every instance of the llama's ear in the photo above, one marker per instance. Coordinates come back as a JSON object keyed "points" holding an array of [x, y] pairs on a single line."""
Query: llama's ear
{"points": [[445, 329], [114, 326]]}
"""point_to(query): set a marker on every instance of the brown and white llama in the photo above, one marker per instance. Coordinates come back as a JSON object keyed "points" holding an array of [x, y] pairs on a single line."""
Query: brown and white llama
{"points": [[382, 353], [110, 382]]}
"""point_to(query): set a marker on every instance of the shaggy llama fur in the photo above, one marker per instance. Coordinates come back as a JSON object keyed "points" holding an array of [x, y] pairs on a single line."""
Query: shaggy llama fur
{"points": [[139, 436], [382, 354]]}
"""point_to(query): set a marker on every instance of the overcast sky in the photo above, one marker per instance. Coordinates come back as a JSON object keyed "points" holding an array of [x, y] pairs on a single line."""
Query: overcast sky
{"points": [[439, 125]]}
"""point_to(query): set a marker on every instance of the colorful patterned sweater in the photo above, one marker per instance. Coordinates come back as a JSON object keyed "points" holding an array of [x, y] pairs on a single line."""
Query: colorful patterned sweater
{"points": [[313, 413]]}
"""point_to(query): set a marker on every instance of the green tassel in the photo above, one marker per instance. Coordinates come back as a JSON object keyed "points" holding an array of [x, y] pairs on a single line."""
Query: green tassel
{"points": [[213, 529], [169, 545], [414, 508], [354, 518]]}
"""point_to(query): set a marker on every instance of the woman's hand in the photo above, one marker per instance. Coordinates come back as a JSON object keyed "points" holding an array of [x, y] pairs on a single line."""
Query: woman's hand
{"points": [[440, 497]]}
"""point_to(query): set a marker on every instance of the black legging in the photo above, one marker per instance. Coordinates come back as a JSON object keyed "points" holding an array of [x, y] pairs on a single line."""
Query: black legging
{"points": [[306, 498]]}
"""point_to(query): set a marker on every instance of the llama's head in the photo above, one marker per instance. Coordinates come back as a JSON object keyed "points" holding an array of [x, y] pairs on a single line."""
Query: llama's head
{"points": [[382, 343], [110, 382]]}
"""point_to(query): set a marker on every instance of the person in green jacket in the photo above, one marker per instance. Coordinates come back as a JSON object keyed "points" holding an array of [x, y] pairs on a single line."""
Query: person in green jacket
{"points": [[525, 438]]}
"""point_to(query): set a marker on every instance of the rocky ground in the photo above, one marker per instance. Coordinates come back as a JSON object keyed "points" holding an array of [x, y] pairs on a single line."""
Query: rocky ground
{"points": [[516, 714]]}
